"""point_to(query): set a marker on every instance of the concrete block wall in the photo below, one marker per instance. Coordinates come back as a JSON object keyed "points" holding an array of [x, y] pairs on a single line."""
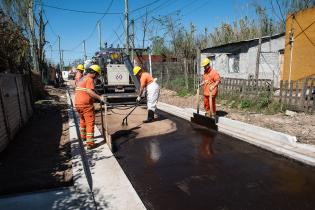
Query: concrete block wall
{"points": [[15, 106]]}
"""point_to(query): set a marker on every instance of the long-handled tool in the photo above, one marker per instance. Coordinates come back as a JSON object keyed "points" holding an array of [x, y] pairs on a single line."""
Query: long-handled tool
{"points": [[102, 121], [210, 112], [125, 120], [197, 118]]}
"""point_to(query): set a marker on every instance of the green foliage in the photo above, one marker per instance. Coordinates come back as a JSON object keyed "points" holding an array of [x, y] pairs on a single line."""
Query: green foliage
{"points": [[14, 47], [158, 46], [245, 104], [178, 84], [261, 103]]}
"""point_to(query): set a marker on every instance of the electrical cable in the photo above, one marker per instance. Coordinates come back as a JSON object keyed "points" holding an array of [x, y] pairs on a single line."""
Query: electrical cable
{"points": [[147, 5], [51, 28], [81, 11]]}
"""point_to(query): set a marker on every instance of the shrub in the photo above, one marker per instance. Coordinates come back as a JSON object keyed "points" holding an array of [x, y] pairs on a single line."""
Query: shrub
{"points": [[245, 104]]}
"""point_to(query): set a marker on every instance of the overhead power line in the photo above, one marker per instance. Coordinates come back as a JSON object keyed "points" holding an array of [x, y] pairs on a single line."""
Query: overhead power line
{"points": [[144, 6], [82, 11], [94, 29], [51, 28]]}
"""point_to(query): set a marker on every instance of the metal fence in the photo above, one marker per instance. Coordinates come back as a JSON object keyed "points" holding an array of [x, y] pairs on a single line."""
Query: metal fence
{"points": [[15, 106]]}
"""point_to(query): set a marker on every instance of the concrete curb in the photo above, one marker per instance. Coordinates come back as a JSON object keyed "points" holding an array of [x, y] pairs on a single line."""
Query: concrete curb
{"points": [[111, 187], [273, 141]]}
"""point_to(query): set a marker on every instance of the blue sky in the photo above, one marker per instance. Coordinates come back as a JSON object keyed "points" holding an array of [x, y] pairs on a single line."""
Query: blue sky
{"points": [[74, 27]]}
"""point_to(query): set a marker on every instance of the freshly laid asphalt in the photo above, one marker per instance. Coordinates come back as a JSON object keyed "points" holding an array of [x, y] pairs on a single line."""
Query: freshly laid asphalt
{"points": [[197, 168]]}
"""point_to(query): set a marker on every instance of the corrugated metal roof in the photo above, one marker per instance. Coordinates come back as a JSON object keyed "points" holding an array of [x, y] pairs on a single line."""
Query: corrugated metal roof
{"points": [[238, 47]]}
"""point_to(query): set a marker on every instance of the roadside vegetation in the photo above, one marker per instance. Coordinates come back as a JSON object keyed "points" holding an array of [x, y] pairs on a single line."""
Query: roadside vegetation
{"points": [[263, 102]]}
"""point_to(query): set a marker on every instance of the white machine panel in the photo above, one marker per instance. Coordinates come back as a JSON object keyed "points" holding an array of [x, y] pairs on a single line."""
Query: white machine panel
{"points": [[117, 74]]}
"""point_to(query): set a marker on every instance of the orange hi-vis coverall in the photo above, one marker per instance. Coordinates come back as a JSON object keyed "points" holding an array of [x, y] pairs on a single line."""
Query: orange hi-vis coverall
{"points": [[84, 105], [210, 77]]}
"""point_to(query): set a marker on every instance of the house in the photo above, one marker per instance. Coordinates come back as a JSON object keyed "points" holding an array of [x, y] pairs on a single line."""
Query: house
{"points": [[299, 55], [238, 59]]}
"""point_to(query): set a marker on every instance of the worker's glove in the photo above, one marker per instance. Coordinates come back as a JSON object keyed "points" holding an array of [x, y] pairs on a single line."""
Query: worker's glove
{"points": [[138, 99], [102, 100], [211, 87]]}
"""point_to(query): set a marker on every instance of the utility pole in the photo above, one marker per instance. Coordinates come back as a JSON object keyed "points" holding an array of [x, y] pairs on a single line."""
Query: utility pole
{"points": [[126, 27], [291, 54], [133, 39], [32, 33], [258, 61], [99, 34], [62, 61], [84, 50], [60, 55], [206, 37], [291, 40], [150, 61]]}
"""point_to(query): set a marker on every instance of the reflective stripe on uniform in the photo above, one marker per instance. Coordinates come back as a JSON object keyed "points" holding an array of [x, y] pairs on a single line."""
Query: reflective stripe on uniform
{"points": [[82, 89], [89, 134], [89, 139]]}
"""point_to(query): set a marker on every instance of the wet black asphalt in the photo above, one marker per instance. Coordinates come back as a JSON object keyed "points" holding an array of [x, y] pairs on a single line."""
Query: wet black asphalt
{"points": [[196, 168]]}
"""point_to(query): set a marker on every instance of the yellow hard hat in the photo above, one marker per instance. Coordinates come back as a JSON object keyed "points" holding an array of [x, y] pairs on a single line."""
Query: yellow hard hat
{"points": [[80, 67], [136, 70], [205, 62], [96, 68], [114, 56]]}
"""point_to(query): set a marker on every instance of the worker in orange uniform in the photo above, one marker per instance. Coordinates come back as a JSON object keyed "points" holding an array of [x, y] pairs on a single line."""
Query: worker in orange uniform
{"points": [[148, 83], [211, 80], [84, 100], [79, 74]]}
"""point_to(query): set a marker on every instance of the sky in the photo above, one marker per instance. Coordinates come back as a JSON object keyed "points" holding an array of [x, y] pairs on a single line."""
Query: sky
{"points": [[74, 27]]}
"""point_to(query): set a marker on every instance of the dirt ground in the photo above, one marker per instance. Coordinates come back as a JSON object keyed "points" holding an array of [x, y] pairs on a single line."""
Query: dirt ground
{"points": [[39, 158], [302, 125]]}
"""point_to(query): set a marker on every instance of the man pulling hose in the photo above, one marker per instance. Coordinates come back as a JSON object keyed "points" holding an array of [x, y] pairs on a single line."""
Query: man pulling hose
{"points": [[148, 83]]}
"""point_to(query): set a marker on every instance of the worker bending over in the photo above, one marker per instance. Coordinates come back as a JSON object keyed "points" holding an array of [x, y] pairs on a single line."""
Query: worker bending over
{"points": [[79, 74], [153, 91], [211, 80], [84, 103]]}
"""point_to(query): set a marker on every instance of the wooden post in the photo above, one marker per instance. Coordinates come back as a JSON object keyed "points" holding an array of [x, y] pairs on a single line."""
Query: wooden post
{"points": [[297, 91], [312, 87], [285, 91], [186, 72], [162, 79], [291, 90], [308, 104], [281, 91], [303, 94]]}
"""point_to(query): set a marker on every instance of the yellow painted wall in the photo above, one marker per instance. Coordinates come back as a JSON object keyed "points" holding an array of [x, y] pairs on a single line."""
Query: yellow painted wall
{"points": [[303, 57]]}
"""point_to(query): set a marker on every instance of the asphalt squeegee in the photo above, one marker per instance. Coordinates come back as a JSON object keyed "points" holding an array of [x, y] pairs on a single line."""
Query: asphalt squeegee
{"points": [[209, 120]]}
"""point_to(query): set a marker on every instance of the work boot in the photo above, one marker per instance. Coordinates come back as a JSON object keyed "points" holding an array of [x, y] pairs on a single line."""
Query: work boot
{"points": [[150, 117]]}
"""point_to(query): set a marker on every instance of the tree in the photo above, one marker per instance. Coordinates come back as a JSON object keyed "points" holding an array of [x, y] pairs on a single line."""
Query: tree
{"points": [[14, 46], [158, 46], [22, 13]]}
